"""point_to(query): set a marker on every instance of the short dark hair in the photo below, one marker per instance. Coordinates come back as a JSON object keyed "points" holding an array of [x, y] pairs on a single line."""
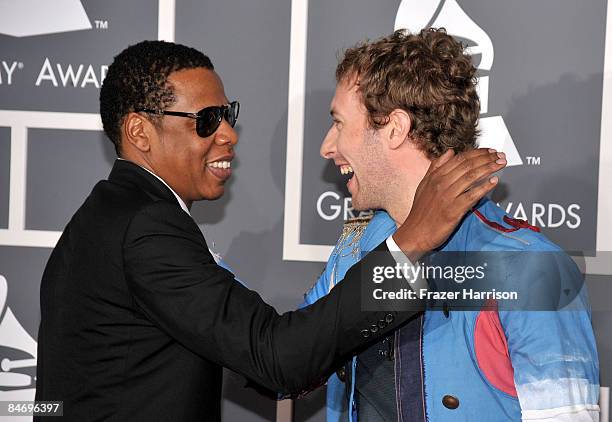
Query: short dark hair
{"points": [[138, 78], [429, 75]]}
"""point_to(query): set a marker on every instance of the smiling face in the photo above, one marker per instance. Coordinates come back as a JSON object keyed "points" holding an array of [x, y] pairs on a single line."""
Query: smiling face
{"points": [[195, 168], [357, 149]]}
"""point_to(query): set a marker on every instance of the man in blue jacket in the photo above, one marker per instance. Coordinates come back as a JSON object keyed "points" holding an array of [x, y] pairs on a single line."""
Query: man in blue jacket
{"points": [[400, 102]]}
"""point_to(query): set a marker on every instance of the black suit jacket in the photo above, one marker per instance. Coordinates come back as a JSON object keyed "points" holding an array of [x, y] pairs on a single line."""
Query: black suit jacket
{"points": [[137, 319]]}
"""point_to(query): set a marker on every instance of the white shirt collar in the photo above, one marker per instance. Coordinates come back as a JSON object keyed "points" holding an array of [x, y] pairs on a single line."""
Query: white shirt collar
{"points": [[178, 198]]}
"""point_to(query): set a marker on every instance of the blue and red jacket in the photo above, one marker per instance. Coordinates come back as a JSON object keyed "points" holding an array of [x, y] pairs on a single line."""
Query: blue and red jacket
{"points": [[497, 364]]}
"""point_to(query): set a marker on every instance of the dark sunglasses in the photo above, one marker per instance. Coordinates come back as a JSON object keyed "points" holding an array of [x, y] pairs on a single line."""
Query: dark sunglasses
{"points": [[208, 119]]}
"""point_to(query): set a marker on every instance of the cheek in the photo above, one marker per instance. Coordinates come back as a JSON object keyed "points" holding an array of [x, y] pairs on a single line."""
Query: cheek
{"points": [[354, 151], [198, 152], [347, 144]]}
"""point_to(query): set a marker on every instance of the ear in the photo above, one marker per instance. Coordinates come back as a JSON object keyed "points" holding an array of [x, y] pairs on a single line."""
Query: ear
{"points": [[399, 128], [137, 132]]}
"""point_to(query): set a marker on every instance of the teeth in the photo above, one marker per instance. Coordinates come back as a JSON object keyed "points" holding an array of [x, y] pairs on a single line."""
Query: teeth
{"points": [[346, 169], [220, 164]]}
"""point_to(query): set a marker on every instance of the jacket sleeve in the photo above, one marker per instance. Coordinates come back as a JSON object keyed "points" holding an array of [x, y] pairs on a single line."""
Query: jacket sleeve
{"points": [[553, 352], [318, 290], [177, 284]]}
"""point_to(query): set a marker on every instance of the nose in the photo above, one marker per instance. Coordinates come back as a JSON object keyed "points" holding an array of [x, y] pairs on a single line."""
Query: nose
{"points": [[328, 146], [226, 134]]}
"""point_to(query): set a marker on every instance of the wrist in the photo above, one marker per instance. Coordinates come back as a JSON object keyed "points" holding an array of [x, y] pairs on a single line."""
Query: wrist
{"points": [[410, 246]]}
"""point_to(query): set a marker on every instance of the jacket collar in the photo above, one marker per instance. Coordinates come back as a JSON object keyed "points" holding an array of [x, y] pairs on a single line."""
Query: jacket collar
{"points": [[129, 174]]}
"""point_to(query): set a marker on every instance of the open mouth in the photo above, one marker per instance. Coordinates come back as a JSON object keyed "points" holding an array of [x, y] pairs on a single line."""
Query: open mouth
{"points": [[347, 171], [222, 169]]}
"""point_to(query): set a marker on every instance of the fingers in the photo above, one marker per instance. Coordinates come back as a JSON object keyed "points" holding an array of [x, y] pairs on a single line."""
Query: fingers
{"points": [[465, 157], [441, 160], [469, 179], [467, 200], [471, 170]]}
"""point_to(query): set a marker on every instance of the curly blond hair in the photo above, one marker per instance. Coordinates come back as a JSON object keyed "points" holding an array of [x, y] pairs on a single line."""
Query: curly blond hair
{"points": [[429, 75]]}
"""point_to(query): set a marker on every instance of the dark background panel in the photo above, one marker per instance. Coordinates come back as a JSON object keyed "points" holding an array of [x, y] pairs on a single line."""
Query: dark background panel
{"points": [[21, 267], [5, 176], [545, 82], [332, 27], [128, 23], [248, 43], [63, 167]]}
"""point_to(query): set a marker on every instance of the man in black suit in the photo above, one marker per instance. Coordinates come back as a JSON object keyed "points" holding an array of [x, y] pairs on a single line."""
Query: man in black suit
{"points": [[137, 319]]}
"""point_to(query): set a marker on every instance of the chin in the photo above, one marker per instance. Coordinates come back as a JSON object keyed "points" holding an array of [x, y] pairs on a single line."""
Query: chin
{"points": [[217, 195], [214, 194]]}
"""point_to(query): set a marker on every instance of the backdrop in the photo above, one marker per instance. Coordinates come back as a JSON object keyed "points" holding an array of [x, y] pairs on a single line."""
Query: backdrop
{"points": [[545, 73]]}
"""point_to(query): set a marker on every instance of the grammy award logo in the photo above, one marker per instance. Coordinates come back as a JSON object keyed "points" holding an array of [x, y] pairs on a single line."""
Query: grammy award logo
{"points": [[17, 354], [17, 19], [415, 15]]}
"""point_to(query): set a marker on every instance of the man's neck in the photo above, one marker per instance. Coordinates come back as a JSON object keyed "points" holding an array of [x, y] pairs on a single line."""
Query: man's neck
{"points": [[399, 198], [399, 195], [400, 211], [185, 205]]}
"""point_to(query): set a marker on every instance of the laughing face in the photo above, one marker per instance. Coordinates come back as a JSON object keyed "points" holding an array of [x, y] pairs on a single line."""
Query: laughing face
{"points": [[356, 149], [196, 168]]}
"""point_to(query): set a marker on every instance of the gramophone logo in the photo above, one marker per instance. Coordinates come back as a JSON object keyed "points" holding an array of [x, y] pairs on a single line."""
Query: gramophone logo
{"points": [[415, 15], [17, 19], [412, 15], [17, 354]]}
